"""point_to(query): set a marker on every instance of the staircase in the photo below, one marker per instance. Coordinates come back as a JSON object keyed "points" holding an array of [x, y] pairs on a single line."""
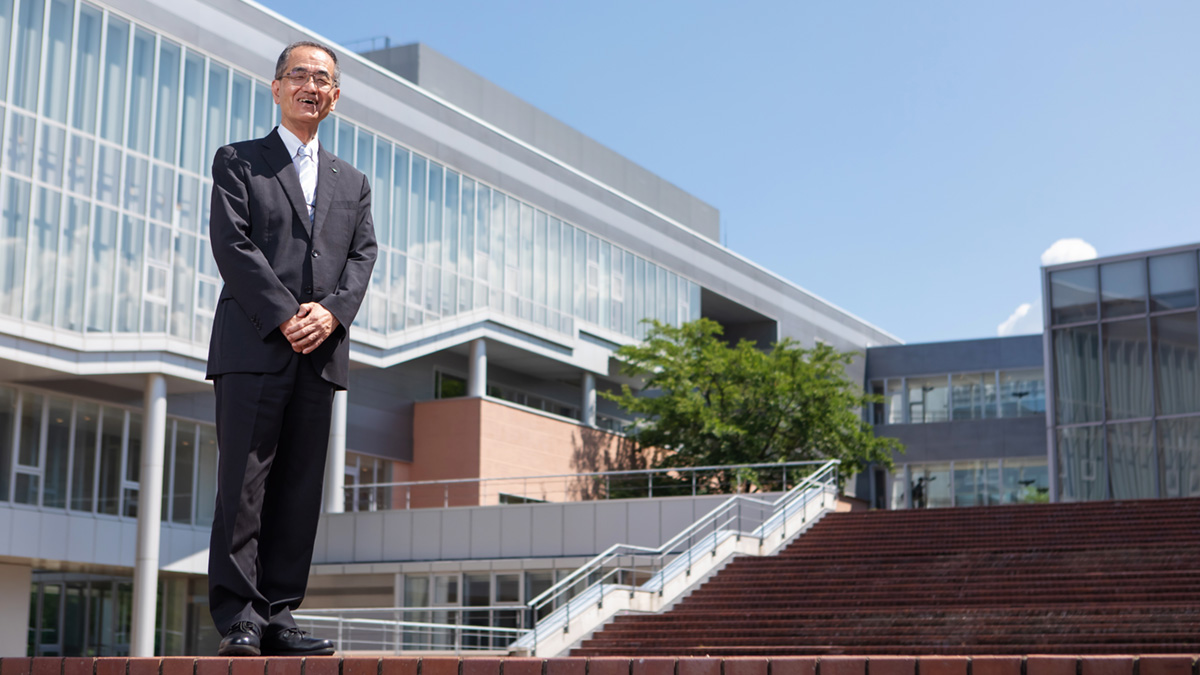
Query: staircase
{"points": [[1086, 578]]}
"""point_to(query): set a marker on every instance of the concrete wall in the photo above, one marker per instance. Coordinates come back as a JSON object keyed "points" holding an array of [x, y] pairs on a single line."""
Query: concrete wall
{"points": [[970, 439], [514, 531], [935, 358], [34, 534]]}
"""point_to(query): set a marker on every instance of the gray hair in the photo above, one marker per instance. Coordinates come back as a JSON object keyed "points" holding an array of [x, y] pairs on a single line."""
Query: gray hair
{"points": [[287, 54]]}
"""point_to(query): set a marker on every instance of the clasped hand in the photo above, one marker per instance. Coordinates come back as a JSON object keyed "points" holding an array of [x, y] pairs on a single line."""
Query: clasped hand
{"points": [[311, 325]]}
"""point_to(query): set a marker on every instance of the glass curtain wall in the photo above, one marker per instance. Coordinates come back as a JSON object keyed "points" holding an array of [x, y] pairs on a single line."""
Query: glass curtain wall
{"points": [[108, 128], [984, 482], [89, 615], [959, 396], [60, 452], [1124, 346]]}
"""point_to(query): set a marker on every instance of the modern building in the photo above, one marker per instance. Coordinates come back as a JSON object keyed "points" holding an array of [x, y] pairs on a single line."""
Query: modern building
{"points": [[1122, 347], [972, 417], [1105, 404], [516, 255]]}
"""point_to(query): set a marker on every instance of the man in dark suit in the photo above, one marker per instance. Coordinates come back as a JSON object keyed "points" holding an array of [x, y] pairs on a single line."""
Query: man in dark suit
{"points": [[292, 235]]}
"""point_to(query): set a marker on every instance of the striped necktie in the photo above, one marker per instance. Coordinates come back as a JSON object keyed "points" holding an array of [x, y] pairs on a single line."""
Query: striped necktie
{"points": [[306, 166]]}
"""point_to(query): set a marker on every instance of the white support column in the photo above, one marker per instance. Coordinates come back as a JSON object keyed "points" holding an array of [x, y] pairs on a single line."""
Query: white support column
{"points": [[477, 374], [335, 459], [588, 406], [150, 488], [15, 583]]}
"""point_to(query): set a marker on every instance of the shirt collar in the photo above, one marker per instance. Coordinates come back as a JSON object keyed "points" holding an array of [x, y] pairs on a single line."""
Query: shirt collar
{"points": [[292, 142]]}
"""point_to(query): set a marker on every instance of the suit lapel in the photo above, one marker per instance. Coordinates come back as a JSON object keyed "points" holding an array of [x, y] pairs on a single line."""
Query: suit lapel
{"points": [[281, 164], [327, 178]]}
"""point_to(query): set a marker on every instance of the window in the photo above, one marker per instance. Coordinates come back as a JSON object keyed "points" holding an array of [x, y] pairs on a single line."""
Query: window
{"points": [[1022, 393], [1073, 295], [973, 396], [449, 386], [928, 399]]}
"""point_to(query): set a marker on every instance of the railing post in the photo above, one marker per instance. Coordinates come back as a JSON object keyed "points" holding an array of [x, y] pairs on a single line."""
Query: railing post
{"points": [[693, 482], [407, 498], [651, 484], [341, 622], [534, 619], [715, 527], [446, 495], [689, 554]]}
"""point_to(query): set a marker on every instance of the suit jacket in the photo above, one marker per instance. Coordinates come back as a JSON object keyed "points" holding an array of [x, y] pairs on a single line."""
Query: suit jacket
{"points": [[272, 258]]}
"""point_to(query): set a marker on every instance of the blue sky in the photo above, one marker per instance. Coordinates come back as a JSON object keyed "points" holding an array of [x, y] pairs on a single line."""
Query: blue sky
{"points": [[908, 161]]}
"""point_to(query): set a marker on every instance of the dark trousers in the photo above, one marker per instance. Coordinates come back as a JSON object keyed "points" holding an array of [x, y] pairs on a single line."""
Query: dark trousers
{"points": [[272, 437]]}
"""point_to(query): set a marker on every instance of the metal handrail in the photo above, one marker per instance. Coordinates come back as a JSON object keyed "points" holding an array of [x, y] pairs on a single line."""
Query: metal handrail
{"points": [[693, 471], [390, 632], [718, 519]]}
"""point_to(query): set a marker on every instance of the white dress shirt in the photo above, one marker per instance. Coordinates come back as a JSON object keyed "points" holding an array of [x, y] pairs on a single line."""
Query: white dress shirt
{"points": [[308, 179]]}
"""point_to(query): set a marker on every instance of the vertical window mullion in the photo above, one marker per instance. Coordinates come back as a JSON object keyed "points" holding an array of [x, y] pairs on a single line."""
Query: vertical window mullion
{"points": [[42, 433], [16, 445], [71, 63], [96, 457], [168, 486], [124, 463], [124, 92], [67, 494], [195, 500], [12, 46], [41, 92], [177, 160]]}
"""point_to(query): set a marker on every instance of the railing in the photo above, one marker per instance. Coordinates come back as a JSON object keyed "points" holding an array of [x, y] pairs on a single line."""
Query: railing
{"points": [[651, 570], [417, 629], [598, 485]]}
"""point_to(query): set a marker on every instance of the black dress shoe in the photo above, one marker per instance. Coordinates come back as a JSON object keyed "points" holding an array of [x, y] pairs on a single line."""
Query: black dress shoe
{"points": [[241, 640], [295, 642]]}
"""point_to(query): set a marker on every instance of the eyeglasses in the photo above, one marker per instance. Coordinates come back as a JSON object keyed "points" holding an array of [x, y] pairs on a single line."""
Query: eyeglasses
{"points": [[300, 77]]}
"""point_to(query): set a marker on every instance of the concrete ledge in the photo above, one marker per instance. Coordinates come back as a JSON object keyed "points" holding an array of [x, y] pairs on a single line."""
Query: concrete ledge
{"points": [[1116, 664]]}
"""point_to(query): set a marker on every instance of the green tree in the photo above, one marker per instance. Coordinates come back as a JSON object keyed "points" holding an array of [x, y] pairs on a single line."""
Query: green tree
{"points": [[708, 403]]}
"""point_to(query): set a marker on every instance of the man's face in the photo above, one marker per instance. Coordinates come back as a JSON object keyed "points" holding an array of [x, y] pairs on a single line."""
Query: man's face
{"points": [[304, 105]]}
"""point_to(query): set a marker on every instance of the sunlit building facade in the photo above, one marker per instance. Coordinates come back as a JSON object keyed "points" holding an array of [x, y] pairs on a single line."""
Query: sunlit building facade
{"points": [[516, 255], [1123, 344], [971, 415]]}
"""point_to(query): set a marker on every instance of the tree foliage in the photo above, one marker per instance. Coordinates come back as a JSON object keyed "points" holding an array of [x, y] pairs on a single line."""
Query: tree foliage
{"points": [[708, 403]]}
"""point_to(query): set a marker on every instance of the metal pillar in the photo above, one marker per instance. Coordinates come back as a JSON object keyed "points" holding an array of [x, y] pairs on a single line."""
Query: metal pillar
{"points": [[150, 487], [335, 459], [477, 373], [588, 406]]}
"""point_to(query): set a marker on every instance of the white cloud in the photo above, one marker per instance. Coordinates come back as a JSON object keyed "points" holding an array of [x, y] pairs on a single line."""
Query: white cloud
{"points": [[1024, 320], [1065, 251]]}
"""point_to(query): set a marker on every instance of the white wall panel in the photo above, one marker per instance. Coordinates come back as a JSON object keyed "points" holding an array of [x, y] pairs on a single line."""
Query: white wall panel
{"points": [[516, 531]]}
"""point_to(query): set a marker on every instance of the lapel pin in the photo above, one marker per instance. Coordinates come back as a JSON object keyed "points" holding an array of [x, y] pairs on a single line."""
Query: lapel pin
{"points": [[334, 169]]}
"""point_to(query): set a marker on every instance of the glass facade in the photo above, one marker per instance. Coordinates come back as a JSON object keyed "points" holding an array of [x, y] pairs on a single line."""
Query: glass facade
{"points": [[1125, 343], [982, 482], [959, 396], [108, 129], [77, 614], [61, 452]]}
